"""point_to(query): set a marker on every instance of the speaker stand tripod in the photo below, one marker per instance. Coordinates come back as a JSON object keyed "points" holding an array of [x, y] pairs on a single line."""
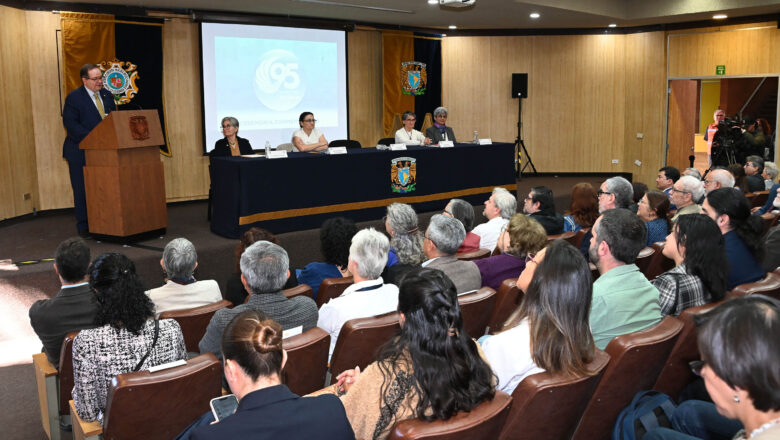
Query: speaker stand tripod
{"points": [[520, 150]]}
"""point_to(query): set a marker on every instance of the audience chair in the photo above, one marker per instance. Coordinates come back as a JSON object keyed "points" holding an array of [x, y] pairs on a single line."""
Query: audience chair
{"points": [[636, 359], [508, 297], [289, 147], [758, 198], [568, 236], [548, 406], [349, 143], [331, 288], [55, 387], [359, 340], [193, 322], [577, 240], [482, 423], [474, 255], [299, 290], [676, 373], [476, 308], [307, 361], [659, 263], [769, 220], [155, 405], [769, 286], [643, 259], [386, 141]]}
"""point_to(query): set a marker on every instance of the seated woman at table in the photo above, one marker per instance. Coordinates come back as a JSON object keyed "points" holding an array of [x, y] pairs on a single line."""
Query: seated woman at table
{"points": [[407, 134], [231, 144], [308, 138], [335, 238], [440, 131]]}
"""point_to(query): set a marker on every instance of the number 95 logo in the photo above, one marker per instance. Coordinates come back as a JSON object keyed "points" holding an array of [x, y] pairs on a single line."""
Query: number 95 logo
{"points": [[278, 83]]}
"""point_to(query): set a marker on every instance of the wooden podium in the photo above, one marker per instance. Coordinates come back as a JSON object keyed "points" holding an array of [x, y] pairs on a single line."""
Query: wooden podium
{"points": [[123, 176]]}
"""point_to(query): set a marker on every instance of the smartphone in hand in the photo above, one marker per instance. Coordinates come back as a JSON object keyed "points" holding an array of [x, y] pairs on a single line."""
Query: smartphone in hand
{"points": [[223, 406]]}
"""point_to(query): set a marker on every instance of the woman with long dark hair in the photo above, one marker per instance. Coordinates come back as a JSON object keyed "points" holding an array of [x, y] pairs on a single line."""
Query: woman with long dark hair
{"points": [[127, 338], [700, 273], [550, 329], [584, 208], [431, 370], [653, 209]]}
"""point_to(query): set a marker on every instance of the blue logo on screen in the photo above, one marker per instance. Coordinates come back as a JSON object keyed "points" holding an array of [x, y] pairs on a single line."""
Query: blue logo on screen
{"points": [[278, 83]]}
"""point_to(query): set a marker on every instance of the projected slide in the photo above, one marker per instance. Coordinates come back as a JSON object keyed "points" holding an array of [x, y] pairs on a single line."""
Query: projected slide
{"points": [[266, 76]]}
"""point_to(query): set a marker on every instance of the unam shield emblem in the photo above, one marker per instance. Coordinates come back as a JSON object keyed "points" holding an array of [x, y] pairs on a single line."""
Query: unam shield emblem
{"points": [[119, 78], [403, 174], [414, 78]]}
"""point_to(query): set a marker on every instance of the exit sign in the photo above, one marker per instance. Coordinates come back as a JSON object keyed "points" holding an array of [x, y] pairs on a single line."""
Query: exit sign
{"points": [[720, 70]]}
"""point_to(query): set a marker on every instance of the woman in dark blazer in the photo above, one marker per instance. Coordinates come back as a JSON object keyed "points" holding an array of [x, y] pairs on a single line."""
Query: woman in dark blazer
{"points": [[231, 144], [440, 128]]}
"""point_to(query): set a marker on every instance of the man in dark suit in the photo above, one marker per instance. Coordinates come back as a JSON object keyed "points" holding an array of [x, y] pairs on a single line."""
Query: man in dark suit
{"points": [[84, 108], [442, 239], [74, 308]]}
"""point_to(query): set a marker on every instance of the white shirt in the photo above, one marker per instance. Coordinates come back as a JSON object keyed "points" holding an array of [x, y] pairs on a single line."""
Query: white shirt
{"points": [[404, 137], [313, 138], [175, 296], [353, 304], [488, 232], [509, 355], [92, 97]]}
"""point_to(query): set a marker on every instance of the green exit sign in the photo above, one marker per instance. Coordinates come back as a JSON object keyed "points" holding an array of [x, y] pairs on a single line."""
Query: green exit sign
{"points": [[720, 70]]}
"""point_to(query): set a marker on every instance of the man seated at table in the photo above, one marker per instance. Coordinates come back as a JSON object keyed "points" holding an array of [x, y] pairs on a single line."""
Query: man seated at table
{"points": [[442, 239], [181, 290], [540, 206], [499, 208], [369, 295]]}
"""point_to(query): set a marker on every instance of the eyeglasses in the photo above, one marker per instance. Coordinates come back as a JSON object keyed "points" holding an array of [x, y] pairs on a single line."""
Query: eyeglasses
{"points": [[309, 120], [601, 193], [410, 119], [100, 78], [226, 126], [529, 258], [696, 366]]}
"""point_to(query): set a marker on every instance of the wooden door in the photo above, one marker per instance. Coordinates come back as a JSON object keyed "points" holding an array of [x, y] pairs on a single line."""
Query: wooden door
{"points": [[682, 122]]}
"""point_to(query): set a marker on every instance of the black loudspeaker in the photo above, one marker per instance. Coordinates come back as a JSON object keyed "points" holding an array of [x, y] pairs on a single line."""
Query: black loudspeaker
{"points": [[519, 85]]}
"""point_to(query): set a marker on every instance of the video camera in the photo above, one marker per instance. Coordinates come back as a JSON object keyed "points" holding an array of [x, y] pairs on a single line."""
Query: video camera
{"points": [[728, 144]]}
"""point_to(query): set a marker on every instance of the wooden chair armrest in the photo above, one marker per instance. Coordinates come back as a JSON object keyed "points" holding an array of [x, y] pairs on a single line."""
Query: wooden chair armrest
{"points": [[41, 362], [83, 430]]}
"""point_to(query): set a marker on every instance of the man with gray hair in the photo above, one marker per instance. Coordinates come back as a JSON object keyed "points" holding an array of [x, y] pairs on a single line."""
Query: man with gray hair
{"points": [[264, 270], [754, 168], [442, 239], [181, 290], [685, 192], [718, 178], [499, 208], [692, 172], [369, 295], [615, 192]]}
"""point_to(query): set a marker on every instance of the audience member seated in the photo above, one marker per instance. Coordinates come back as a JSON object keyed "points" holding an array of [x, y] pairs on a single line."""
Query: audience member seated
{"points": [[740, 180], [549, 330], [615, 192], [771, 259], [639, 191], [463, 211], [769, 175], [584, 208], [267, 409], [739, 364], [653, 210], [442, 239], [369, 295], [667, 176], [540, 205], [499, 208], [522, 237], [440, 131], [693, 172], [700, 274], [685, 192], [235, 291], [74, 308], [128, 337], [406, 240], [718, 178], [623, 300], [264, 270], [741, 231], [430, 371], [335, 236], [754, 167], [407, 134], [181, 290]]}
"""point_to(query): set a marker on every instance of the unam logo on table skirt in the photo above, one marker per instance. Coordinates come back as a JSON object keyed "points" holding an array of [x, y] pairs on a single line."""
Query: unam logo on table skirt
{"points": [[403, 174]]}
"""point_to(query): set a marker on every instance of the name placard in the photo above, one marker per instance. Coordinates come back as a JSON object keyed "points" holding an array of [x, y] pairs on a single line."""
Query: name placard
{"points": [[278, 154], [485, 141], [446, 144], [337, 150], [397, 147]]}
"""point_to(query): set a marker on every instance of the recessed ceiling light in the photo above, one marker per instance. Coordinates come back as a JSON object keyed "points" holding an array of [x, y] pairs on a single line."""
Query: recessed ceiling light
{"points": [[612, 25], [534, 15], [433, 2], [452, 26], [720, 16]]}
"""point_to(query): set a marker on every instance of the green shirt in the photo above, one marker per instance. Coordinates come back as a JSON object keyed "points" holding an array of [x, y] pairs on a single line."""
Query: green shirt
{"points": [[623, 302]]}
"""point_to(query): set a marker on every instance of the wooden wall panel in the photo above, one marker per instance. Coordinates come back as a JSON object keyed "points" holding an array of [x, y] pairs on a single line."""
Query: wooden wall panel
{"points": [[364, 57], [18, 175]]}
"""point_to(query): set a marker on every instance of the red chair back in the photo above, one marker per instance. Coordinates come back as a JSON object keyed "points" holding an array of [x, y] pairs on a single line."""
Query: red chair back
{"points": [[359, 340], [193, 322], [474, 255], [769, 286], [508, 297], [643, 259], [569, 236], [299, 290], [65, 375], [307, 361], [476, 308], [331, 288], [659, 263]]}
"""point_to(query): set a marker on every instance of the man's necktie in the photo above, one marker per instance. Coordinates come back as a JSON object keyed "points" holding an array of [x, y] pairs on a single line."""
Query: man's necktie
{"points": [[99, 103]]}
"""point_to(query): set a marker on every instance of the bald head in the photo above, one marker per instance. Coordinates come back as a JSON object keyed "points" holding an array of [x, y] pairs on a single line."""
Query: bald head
{"points": [[718, 178]]}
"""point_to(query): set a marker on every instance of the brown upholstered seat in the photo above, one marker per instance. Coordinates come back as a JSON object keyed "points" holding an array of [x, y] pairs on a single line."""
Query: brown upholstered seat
{"points": [[157, 405], [299, 290], [659, 263], [577, 240], [636, 360], [758, 198], [508, 297], [307, 361], [54, 387], [568, 236], [548, 406], [359, 340], [331, 288], [65, 376], [482, 423], [194, 321], [476, 309], [643, 259], [474, 255], [769, 220], [676, 373], [769, 285]]}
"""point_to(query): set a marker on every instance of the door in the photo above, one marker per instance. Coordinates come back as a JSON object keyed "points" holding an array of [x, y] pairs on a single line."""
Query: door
{"points": [[682, 122]]}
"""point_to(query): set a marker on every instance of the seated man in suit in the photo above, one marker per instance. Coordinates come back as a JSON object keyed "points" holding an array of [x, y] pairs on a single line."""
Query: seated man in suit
{"points": [[440, 131], [540, 206], [754, 167], [74, 308], [182, 291], [264, 270], [623, 300], [442, 239], [369, 295], [499, 208]]}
